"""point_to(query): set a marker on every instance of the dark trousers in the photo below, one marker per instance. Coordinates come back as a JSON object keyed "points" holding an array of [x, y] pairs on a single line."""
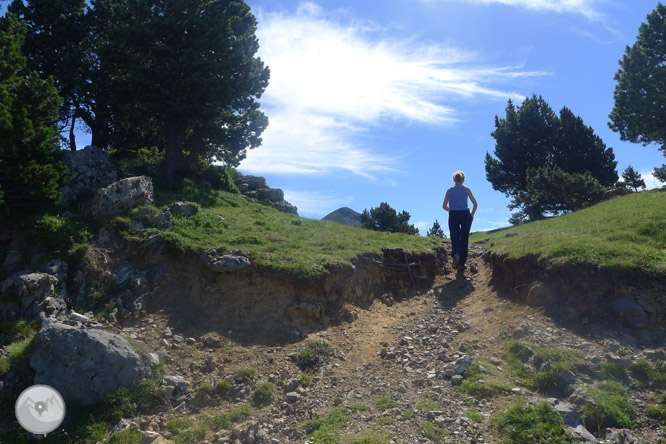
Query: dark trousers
{"points": [[460, 223]]}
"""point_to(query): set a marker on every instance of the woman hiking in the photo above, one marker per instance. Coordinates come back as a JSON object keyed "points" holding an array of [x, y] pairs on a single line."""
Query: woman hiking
{"points": [[460, 219]]}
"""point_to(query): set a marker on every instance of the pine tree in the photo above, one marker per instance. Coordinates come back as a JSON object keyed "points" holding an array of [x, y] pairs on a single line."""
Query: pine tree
{"points": [[532, 137], [638, 113], [385, 218], [185, 77], [436, 230], [31, 171], [632, 178]]}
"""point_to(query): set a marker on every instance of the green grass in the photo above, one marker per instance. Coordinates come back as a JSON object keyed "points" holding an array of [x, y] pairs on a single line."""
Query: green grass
{"points": [[433, 432], [473, 385], [658, 410], [611, 407], [234, 415], [427, 405], [271, 238], [627, 232], [546, 380], [474, 415], [325, 430], [385, 403], [187, 430], [373, 436], [530, 424], [648, 373], [17, 337], [245, 374]]}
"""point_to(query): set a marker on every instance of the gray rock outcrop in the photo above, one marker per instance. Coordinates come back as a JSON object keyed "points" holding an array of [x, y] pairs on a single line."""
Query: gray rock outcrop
{"points": [[85, 365], [120, 196], [224, 262], [34, 296], [185, 209], [91, 170], [254, 187]]}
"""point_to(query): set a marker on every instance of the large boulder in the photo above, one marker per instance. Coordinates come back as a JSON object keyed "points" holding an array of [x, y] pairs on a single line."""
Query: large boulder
{"points": [[91, 170], [85, 365], [120, 196], [250, 183], [271, 194], [32, 295]]}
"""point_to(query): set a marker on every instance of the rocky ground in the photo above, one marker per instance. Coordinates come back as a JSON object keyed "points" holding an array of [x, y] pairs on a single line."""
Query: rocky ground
{"points": [[432, 368]]}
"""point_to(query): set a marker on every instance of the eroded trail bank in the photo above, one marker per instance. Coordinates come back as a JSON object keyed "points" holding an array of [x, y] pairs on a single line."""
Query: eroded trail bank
{"points": [[435, 367]]}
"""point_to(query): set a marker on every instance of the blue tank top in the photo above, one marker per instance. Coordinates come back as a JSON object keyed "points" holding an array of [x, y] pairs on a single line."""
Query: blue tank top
{"points": [[458, 199]]}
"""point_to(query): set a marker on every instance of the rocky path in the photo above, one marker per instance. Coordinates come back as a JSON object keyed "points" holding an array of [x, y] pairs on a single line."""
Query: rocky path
{"points": [[398, 372]]}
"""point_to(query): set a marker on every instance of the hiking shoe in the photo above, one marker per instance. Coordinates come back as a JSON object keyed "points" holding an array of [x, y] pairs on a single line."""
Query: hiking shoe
{"points": [[456, 258]]}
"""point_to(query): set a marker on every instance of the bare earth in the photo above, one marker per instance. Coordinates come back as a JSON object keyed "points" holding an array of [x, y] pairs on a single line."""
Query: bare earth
{"points": [[401, 352]]}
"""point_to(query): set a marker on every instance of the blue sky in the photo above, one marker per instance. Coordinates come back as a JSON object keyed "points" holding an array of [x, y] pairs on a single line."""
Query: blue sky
{"points": [[381, 101]]}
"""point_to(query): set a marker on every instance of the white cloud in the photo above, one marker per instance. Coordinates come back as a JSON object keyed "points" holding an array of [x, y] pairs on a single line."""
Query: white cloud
{"points": [[423, 226], [651, 182], [315, 204], [334, 78], [582, 7]]}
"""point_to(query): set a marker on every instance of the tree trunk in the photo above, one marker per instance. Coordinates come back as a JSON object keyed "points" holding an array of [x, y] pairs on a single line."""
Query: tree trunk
{"points": [[174, 153], [72, 137]]}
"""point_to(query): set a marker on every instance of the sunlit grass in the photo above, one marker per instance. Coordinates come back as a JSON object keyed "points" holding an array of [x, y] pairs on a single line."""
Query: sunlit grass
{"points": [[625, 232]]}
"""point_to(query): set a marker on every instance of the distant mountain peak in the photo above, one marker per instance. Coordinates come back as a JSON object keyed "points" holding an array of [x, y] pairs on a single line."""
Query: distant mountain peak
{"points": [[345, 216]]}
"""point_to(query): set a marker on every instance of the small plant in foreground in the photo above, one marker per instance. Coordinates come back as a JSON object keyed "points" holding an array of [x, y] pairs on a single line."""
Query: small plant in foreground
{"points": [[315, 354], [611, 407], [529, 424], [236, 414], [324, 430], [434, 432], [264, 394], [385, 403], [245, 374]]}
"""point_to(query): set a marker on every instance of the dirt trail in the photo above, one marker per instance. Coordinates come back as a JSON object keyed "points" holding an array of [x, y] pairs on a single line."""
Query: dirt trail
{"points": [[405, 352]]}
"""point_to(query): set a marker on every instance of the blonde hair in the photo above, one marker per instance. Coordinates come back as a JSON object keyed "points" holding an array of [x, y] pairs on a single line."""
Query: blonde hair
{"points": [[458, 177]]}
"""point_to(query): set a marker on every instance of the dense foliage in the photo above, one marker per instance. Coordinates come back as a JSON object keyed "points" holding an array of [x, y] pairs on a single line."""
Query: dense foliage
{"points": [[385, 218], [532, 143], [31, 172], [640, 93], [181, 76]]}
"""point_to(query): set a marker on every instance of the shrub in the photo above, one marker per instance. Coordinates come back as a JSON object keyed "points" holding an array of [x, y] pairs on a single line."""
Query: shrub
{"points": [[264, 394], [224, 388], [323, 430], [528, 424], [611, 407], [385, 403], [245, 374], [649, 373], [316, 354], [433, 432]]}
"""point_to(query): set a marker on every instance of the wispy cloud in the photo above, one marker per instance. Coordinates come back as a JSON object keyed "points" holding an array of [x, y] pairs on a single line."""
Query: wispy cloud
{"points": [[333, 78], [651, 182], [583, 7]]}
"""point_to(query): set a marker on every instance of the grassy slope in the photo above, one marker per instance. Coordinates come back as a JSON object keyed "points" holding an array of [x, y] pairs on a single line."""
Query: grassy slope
{"points": [[301, 246], [625, 232]]}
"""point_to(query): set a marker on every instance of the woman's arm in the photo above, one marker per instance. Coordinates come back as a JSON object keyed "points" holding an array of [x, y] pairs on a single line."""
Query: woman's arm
{"points": [[445, 205], [471, 197]]}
